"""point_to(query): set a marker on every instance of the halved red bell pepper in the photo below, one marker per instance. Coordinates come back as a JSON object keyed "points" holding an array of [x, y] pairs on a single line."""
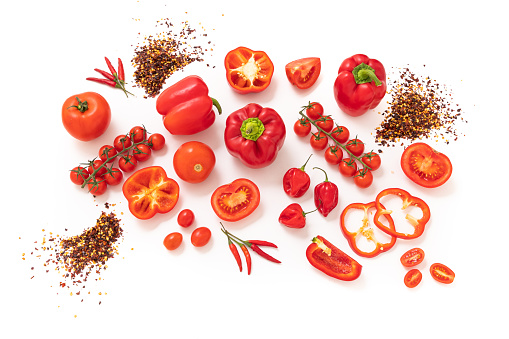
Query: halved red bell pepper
{"points": [[150, 191], [187, 107], [254, 134], [248, 71], [408, 200], [366, 230]]}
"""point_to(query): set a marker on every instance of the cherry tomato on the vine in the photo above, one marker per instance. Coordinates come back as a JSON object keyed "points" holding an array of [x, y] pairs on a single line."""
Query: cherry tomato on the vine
{"points": [[315, 111], [78, 175], [333, 155], [355, 146], [127, 163], [326, 123], [107, 151], [318, 141], [302, 127], [96, 164], [113, 177], [185, 218], [156, 141], [372, 160], [348, 167], [200, 236], [413, 278], [363, 178], [172, 241], [138, 134], [340, 134], [121, 142], [97, 188], [142, 152]]}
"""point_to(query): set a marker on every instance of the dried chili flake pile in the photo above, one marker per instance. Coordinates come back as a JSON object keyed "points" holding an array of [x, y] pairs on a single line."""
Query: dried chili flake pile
{"points": [[420, 108]]}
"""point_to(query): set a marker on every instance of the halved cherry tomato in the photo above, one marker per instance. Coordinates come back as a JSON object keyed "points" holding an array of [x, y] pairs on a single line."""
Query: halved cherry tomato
{"points": [[314, 110], [302, 127], [318, 141], [248, 71], [333, 155], [425, 166], [340, 134], [303, 73], [347, 167], [194, 161], [412, 257], [413, 278], [372, 160], [235, 201], [442, 273]]}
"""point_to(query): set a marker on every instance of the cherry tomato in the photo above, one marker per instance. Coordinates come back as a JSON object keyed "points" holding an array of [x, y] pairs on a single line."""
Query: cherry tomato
{"points": [[372, 160], [413, 278], [98, 188], [113, 177], [425, 166], [138, 134], [193, 161], [326, 123], [333, 155], [235, 201], [315, 111], [78, 175], [142, 152], [127, 163], [318, 141], [442, 273], [156, 141], [107, 151], [121, 142], [200, 236], [340, 134], [303, 73], [412, 257], [363, 178], [355, 146], [302, 127], [172, 241], [185, 218], [348, 167], [95, 165]]}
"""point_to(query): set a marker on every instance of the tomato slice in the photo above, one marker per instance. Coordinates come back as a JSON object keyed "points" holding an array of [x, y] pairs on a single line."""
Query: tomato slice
{"points": [[442, 273], [303, 73], [248, 71], [235, 201], [412, 278], [412, 257], [425, 166]]}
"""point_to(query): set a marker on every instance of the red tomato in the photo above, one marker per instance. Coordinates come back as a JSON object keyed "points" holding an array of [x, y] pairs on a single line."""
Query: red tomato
{"points": [[315, 111], [303, 73], [113, 177], [333, 155], [326, 123], [413, 278], [442, 273], [193, 161], [138, 134], [97, 188], [185, 218], [78, 175], [355, 146], [302, 127], [172, 241], [425, 166], [340, 134], [127, 163], [412, 257], [96, 165], [142, 152], [363, 178], [121, 142], [372, 160], [156, 141], [235, 201], [348, 167], [86, 116], [107, 151], [200, 236], [318, 141]]}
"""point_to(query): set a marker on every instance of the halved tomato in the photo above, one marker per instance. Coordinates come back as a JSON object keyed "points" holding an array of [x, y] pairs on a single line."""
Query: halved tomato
{"points": [[425, 166], [303, 73], [235, 201], [412, 257], [442, 273], [413, 278]]}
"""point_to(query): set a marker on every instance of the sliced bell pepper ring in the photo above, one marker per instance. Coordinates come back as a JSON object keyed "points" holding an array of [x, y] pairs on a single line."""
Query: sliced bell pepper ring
{"points": [[408, 200], [366, 230], [150, 191]]}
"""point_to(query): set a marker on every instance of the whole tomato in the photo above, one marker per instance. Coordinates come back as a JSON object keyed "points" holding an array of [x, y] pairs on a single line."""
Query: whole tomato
{"points": [[86, 116], [156, 141], [97, 188], [340, 134], [318, 141], [372, 160], [314, 110], [348, 167], [200, 236], [113, 177], [142, 152], [333, 155], [302, 127], [363, 178], [127, 163], [193, 161], [185, 218], [172, 241], [355, 146]]}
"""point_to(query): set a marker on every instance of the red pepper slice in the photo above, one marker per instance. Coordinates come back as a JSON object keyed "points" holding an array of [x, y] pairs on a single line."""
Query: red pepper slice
{"points": [[248, 71], [408, 200], [366, 230], [150, 191], [331, 260]]}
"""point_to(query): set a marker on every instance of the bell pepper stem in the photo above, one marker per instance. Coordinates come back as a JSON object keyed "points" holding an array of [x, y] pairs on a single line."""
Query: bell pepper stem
{"points": [[217, 105], [252, 128], [364, 74]]}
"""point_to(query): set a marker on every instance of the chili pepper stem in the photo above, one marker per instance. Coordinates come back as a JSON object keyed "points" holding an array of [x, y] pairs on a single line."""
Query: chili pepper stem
{"points": [[303, 166]]}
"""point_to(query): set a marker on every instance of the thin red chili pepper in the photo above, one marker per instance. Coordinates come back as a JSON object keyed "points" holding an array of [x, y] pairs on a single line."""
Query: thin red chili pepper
{"points": [[262, 243], [110, 66], [104, 81], [248, 258], [263, 254], [105, 74], [235, 253], [120, 70]]}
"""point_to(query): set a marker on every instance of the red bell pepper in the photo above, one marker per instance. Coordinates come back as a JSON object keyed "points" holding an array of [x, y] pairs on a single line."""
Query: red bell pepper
{"points": [[293, 216], [254, 134], [187, 107], [360, 84], [150, 191], [331, 260], [408, 200], [296, 181], [365, 230], [326, 195]]}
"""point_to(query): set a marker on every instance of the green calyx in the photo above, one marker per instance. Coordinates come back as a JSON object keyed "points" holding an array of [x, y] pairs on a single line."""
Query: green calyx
{"points": [[364, 74], [252, 128], [82, 105]]}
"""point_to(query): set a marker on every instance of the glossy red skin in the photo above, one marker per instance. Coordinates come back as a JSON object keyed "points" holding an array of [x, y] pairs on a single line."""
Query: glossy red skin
{"points": [[442, 273], [301, 129], [186, 106], [121, 142], [412, 278], [355, 146], [107, 151], [76, 178], [296, 182], [372, 160], [327, 124], [200, 236], [293, 216], [356, 99], [333, 158], [363, 178], [142, 152], [263, 151], [185, 218], [318, 141], [340, 134], [346, 168], [96, 165], [113, 177], [156, 141], [172, 241], [98, 189], [304, 72], [412, 257], [138, 133], [326, 197], [127, 163], [315, 111], [221, 194]]}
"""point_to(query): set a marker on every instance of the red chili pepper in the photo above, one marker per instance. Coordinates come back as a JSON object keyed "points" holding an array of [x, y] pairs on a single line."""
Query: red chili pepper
{"points": [[263, 254], [112, 79], [326, 195], [248, 257], [110, 67], [293, 216], [235, 253], [104, 81], [296, 181], [262, 243], [121, 76], [105, 74]]}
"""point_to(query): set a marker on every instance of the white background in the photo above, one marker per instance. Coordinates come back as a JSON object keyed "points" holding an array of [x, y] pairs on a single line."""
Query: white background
{"points": [[50, 47]]}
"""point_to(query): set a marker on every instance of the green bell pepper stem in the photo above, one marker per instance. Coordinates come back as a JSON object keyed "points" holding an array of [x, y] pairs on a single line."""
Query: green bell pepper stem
{"points": [[364, 74], [252, 128]]}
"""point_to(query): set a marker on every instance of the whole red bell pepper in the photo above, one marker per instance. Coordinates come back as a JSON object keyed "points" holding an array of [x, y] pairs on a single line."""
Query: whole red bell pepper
{"points": [[326, 195], [360, 84], [187, 107], [293, 216], [254, 134], [296, 181]]}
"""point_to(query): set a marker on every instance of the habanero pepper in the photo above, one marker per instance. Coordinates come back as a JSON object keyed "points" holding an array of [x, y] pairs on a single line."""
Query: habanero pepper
{"points": [[293, 216], [296, 181], [325, 195], [360, 84], [408, 200], [187, 107]]}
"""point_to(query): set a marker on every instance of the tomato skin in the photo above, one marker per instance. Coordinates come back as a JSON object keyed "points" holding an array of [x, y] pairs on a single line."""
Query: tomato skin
{"points": [[185, 218], [303, 73], [156, 141], [412, 257], [315, 111], [235, 201], [98, 189], [142, 152], [425, 166], [372, 160], [107, 151], [355, 146], [363, 178], [127, 163], [318, 141], [91, 123], [347, 167], [442, 273], [78, 175], [121, 142], [113, 177], [326, 123], [95, 165], [194, 161], [412, 278], [340, 134], [200, 236], [172, 241], [333, 155], [302, 127], [138, 134]]}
